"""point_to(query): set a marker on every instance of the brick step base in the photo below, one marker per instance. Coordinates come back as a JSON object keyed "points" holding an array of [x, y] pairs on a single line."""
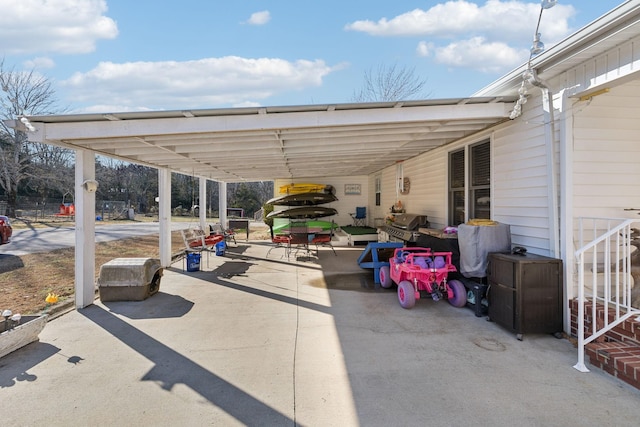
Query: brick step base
{"points": [[622, 360], [618, 351]]}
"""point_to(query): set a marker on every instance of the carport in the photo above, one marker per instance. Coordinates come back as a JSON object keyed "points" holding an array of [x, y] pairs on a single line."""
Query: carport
{"points": [[250, 144]]}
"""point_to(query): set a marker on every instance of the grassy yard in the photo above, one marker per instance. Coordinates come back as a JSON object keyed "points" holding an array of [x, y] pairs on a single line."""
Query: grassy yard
{"points": [[26, 280]]}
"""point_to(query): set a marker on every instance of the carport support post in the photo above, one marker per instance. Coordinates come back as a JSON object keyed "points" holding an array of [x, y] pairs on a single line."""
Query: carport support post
{"points": [[202, 202], [222, 203], [164, 216], [85, 210]]}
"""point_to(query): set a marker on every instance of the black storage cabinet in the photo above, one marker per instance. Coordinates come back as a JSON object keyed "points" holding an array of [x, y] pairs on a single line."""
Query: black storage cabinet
{"points": [[525, 293]]}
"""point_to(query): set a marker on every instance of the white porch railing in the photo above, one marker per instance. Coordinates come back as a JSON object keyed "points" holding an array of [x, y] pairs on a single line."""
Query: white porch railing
{"points": [[604, 282]]}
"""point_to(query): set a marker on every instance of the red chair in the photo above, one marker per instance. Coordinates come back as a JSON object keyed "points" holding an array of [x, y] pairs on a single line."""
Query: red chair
{"points": [[324, 240], [281, 241]]}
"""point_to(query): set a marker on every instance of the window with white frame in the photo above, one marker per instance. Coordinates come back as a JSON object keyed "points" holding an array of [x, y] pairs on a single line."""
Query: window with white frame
{"points": [[456, 188], [480, 181], [378, 190], [473, 193]]}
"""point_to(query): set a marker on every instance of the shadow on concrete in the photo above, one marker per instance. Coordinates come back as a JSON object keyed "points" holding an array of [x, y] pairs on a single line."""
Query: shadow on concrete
{"points": [[217, 280], [172, 368], [158, 306], [14, 367]]}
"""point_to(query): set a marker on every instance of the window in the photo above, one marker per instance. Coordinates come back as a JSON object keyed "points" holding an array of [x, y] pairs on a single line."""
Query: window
{"points": [[479, 191], [456, 187], [378, 190]]}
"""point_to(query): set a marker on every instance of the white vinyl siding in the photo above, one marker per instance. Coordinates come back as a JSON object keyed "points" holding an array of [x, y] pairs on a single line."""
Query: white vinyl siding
{"points": [[606, 154], [520, 184]]}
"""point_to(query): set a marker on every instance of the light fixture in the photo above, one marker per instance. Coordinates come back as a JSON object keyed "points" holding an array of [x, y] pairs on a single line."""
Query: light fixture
{"points": [[90, 185], [27, 124], [529, 75], [537, 46]]}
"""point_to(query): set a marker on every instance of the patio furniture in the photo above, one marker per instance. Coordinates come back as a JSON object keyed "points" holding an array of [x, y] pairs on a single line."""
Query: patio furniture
{"points": [[280, 241], [299, 238], [196, 241], [359, 216], [324, 239], [228, 233]]}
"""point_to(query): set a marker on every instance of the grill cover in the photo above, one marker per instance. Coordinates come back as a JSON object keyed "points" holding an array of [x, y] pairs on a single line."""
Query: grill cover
{"points": [[476, 242]]}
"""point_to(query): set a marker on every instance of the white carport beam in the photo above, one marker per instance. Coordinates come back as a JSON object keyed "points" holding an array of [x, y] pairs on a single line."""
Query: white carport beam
{"points": [[172, 126]]}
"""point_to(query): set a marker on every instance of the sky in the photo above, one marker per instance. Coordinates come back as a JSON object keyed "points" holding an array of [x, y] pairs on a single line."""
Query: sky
{"points": [[136, 55]]}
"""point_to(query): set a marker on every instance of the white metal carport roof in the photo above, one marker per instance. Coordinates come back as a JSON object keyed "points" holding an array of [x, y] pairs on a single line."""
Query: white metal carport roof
{"points": [[251, 144], [263, 143]]}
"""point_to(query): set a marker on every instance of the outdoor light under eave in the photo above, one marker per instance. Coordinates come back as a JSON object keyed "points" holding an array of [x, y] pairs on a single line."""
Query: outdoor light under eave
{"points": [[27, 124], [537, 46]]}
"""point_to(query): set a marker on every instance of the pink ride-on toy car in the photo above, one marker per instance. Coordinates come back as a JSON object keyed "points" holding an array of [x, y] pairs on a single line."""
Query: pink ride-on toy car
{"points": [[419, 272]]}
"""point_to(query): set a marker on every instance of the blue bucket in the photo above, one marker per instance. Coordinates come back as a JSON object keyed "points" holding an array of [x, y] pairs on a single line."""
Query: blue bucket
{"points": [[220, 248], [193, 261]]}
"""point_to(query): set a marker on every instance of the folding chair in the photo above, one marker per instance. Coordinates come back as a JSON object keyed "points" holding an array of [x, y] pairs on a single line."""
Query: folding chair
{"points": [[228, 233], [280, 241], [359, 216], [194, 241]]}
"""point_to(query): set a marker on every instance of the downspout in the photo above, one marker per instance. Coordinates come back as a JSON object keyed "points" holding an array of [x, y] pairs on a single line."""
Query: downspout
{"points": [[549, 133]]}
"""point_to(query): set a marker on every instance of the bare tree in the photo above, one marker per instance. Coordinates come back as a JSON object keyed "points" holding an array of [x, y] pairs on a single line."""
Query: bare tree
{"points": [[23, 93], [390, 83]]}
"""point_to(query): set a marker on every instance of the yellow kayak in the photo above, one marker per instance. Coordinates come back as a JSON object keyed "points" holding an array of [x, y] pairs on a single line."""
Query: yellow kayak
{"points": [[305, 188]]}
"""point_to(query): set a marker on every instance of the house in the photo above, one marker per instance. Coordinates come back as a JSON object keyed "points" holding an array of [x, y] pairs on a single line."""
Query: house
{"points": [[572, 152]]}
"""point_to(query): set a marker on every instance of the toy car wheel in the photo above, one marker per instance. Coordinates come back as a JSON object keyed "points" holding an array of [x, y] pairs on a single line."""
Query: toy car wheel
{"points": [[406, 294], [385, 277], [459, 298]]}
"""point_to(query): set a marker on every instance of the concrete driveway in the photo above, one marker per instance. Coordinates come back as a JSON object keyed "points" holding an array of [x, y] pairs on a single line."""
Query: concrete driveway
{"points": [[35, 240], [309, 342]]}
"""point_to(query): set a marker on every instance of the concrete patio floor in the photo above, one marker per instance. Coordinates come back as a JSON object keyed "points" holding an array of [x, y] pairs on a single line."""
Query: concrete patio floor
{"points": [[312, 342]]}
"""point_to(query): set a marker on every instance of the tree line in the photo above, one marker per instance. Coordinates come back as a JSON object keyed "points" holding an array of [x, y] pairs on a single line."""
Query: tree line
{"points": [[43, 172]]}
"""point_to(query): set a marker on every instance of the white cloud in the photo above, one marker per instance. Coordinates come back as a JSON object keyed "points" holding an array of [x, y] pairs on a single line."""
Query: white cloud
{"points": [[259, 18], [61, 26], [496, 19], [203, 83], [424, 48], [41, 62], [476, 53], [489, 37]]}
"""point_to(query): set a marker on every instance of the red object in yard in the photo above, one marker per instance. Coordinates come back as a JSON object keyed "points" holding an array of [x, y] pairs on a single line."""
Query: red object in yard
{"points": [[5, 230], [66, 209]]}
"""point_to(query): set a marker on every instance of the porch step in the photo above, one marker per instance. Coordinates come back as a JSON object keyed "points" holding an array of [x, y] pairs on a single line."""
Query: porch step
{"points": [[618, 351], [622, 360], [340, 238]]}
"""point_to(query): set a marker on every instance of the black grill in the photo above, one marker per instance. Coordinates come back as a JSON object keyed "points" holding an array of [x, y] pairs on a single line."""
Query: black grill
{"points": [[405, 227]]}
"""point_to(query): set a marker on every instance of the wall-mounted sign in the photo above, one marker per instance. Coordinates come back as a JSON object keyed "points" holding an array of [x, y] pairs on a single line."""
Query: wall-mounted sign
{"points": [[352, 189]]}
